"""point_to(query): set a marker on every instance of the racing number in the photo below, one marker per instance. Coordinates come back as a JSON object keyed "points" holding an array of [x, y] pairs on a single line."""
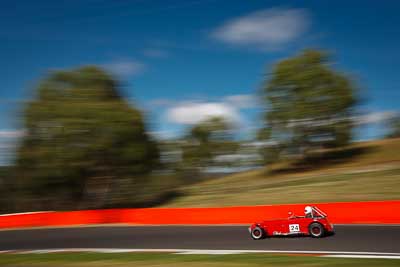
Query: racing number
{"points": [[294, 228]]}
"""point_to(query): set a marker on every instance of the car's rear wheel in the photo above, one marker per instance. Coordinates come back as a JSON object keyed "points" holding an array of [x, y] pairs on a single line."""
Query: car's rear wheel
{"points": [[316, 230], [257, 233]]}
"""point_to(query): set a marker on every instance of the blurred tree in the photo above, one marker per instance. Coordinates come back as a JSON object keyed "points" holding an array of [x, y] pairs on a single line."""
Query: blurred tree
{"points": [[205, 141], [394, 127], [269, 150], [84, 144], [7, 196], [308, 104], [263, 134]]}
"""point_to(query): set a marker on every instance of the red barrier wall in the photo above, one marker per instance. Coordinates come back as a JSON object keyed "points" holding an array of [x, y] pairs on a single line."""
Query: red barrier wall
{"points": [[381, 212], [373, 212]]}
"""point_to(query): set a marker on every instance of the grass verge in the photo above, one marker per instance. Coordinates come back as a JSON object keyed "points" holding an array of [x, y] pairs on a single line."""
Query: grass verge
{"points": [[167, 259]]}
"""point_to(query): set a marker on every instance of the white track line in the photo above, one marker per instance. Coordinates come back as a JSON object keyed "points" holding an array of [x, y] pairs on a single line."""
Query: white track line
{"points": [[24, 213], [337, 254], [362, 256]]}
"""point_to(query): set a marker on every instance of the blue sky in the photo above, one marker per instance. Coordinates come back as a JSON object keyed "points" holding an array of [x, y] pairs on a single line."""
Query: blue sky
{"points": [[178, 59]]}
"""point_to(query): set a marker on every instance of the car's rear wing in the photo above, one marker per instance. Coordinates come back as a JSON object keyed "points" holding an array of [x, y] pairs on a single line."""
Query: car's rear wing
{"points": [[320, 212]]}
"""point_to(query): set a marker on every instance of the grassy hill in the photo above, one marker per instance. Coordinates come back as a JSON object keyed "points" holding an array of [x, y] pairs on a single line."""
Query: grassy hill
{"points": [[364, 171]]}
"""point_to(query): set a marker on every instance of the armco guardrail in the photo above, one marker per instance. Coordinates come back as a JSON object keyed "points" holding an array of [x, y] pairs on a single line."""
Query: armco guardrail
{"points": [[372, 212]]}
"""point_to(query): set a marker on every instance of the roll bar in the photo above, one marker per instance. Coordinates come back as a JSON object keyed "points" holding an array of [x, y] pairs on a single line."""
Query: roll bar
{"points": [[318, 211]]}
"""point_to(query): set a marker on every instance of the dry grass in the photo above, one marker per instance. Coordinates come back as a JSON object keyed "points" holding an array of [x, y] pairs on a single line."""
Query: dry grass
{"points": [[372, 172]]}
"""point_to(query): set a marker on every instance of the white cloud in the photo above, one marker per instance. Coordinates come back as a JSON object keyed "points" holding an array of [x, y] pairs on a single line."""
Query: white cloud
{"points": [[194, 112], [11, 133], [267, 28], [375, 117], [242, 101], [126, 67], [163, 135]]}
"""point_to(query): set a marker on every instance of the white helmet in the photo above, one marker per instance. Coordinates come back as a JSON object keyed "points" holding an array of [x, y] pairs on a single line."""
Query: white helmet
{"points": [[307, 210]]}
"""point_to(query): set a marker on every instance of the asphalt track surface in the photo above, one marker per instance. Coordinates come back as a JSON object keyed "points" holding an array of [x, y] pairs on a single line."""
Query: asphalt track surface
{"points": [[347, 238]]}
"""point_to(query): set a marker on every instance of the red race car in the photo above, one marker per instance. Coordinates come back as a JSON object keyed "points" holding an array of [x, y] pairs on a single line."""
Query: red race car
{"points": [[314, 223]]}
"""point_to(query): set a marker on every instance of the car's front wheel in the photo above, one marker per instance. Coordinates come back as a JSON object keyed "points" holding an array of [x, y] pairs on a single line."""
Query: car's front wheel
{"points": [[257, 233], [316, 230]]}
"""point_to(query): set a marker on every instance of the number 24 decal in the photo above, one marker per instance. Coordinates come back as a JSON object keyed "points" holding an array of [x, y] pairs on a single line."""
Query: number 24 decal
{"points": [[294, 228]]}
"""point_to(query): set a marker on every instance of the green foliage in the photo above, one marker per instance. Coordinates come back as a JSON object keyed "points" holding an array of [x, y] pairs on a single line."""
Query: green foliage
{"points": [[6, 189], [309, 104], [394, 127], [84, 144], [263, 134], [269, 152], [205, 141]]}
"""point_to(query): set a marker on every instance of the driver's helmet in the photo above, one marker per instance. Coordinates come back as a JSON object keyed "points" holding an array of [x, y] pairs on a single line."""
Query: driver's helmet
{"points": [[307, 210]]}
